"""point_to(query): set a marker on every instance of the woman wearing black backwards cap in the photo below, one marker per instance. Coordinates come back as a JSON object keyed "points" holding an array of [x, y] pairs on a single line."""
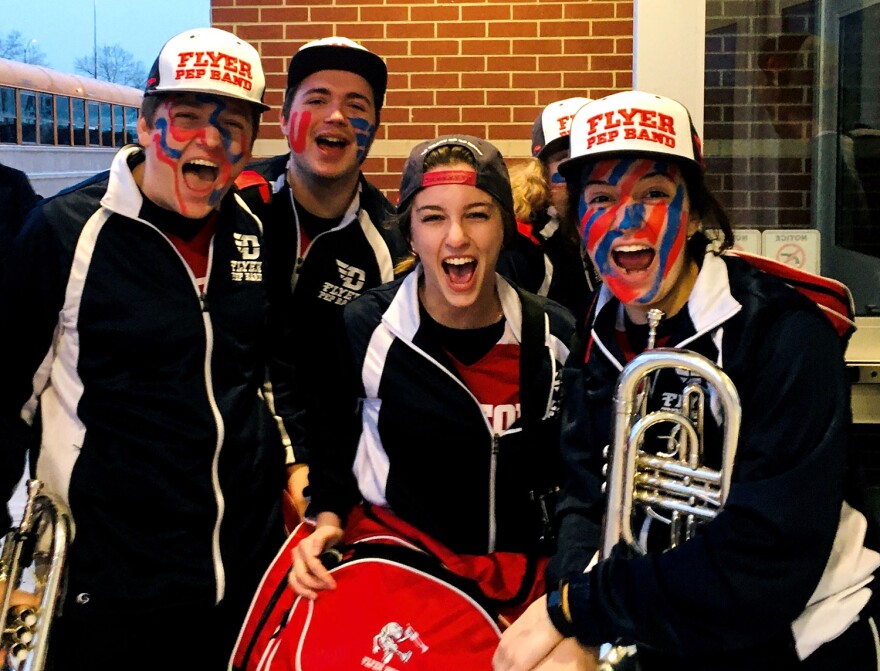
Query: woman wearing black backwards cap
{"points": [[783, 576], [444, 430], [547, 257]]}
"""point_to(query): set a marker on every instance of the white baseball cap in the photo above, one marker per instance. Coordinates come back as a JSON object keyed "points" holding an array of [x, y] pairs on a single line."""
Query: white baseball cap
{"points": [[209, 60], [551, 128], [632, 122]]}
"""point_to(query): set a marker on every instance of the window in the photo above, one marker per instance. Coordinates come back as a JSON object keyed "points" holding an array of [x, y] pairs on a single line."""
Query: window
{"points": [[62, 116], [79, 122], [94, 121], [118, 126], [131, 117], [8, 132], [47, 119], [28, 116], [106, 126]]}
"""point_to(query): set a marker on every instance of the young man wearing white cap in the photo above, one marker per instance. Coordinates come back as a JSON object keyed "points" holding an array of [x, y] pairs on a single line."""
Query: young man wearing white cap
{"points": [[324, 224], [141, 345]]}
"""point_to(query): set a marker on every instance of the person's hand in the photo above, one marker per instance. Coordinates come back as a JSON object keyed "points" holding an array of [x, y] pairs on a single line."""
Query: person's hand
{"points": [[297, 481], [570, 655], [528, 640], [308, 575]]}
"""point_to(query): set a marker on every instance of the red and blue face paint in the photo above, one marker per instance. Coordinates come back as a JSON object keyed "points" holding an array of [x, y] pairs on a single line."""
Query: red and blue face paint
{"points": [[203, 175], [634, 225]]}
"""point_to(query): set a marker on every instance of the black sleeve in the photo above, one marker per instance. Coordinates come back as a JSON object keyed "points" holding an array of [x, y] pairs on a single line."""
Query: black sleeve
{"points": [[31, 296], [335, 428], [753, 568]]}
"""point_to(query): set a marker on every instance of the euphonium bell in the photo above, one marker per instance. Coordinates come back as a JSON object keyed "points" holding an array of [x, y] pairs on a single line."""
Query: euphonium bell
{"points": [[34, 552]]}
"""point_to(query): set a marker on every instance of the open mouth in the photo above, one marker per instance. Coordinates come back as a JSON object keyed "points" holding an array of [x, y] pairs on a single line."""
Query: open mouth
{"points": [[329, 142], [460, 269], [633, 258], [200, 174]]}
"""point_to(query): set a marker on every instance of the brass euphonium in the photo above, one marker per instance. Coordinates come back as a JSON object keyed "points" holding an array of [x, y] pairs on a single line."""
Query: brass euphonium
{"points": [[33, 560], [675, 482]]}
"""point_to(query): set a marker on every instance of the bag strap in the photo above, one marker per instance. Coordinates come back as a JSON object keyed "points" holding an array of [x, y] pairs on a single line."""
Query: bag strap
{"points": [[833, 298]]}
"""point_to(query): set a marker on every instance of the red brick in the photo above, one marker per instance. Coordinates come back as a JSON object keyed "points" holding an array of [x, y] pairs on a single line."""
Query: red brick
{"points": [[585, 80], [405, 131], [563, 64], [485, 80], [566, 28], [460, 64], [588, 45], [478, 130], [536, 80], [436, 14], [486, 47], [485, 13], [519, 30], [607, 62], [589, 10], [283, 15], [394, 115], [535, 46], [512, 64], [491, 115], [410, 64], [255, 33], [363, 31], [436, 80], [537, 12], [436, 114], [461, 29], [412, 98], [236, 15], [385, 14], [435, 48], [461, 97], [306, 32]]}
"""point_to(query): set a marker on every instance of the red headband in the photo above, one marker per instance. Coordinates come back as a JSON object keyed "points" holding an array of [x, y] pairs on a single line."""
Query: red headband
{"points": [[437, 177]]}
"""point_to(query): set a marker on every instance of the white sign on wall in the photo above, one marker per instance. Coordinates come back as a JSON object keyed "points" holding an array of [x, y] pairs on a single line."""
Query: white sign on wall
{"points": [[747, 240], [798, 248]]}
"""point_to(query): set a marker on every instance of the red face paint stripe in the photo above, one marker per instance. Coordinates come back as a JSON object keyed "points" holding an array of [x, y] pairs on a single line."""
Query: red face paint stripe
{"points": [[438, 177]]}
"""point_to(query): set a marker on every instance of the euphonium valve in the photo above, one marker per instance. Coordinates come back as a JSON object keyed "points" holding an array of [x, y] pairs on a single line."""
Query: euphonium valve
{"points": [[33, 558]]}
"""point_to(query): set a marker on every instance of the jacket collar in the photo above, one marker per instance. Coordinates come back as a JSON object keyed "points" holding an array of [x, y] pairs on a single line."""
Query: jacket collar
{"points": [[123, 195], [402, 316]]}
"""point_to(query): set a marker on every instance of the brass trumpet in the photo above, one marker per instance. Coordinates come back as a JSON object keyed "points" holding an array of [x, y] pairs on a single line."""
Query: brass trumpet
{"points": [[675, 481], [40, 541]]}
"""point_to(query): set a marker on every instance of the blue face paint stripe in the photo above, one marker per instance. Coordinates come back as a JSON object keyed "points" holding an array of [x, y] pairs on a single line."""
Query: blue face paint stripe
{"points": [[162, 127], [673, 221], [364, 133]]}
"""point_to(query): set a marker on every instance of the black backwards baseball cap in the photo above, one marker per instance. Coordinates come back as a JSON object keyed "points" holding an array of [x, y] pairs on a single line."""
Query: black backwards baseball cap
{"points": [[339, 53], [490, 173], [632, 123], [551, 128], [209, 60]]}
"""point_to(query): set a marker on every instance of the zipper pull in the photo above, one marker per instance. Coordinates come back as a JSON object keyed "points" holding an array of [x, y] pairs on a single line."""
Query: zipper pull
{"points": [[203, 301]]}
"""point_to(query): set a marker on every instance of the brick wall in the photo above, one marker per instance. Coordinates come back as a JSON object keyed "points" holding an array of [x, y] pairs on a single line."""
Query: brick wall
{"points": [[484, 68]]}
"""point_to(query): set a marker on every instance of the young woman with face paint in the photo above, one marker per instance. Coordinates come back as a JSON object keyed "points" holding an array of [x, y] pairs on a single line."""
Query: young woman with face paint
{"points": [[781, 578], [448, 438], [547, 256]]}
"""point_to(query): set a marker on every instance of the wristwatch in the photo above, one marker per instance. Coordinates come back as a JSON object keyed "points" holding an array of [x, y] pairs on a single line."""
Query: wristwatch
{"points": [[557, 609]]}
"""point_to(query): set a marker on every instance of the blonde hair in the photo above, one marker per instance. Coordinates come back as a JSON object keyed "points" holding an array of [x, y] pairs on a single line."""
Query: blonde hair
{"points": [[531, 192]]}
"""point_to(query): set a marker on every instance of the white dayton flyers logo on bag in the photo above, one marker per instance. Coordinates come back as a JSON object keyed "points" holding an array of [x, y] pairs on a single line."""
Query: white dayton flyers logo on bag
{"points": [[248, 269], [388, 641]]}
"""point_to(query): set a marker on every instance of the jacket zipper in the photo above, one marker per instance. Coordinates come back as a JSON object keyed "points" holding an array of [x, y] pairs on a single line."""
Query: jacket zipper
{"points": [[201, 294], [493, 470]]}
